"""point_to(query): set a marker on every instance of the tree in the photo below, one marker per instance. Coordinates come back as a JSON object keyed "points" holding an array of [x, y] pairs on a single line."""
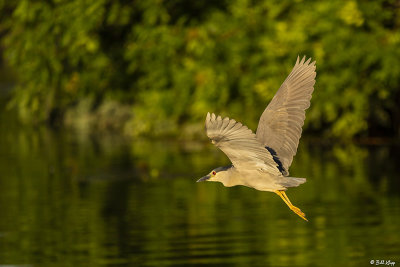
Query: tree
{"points": [[157, 65]]}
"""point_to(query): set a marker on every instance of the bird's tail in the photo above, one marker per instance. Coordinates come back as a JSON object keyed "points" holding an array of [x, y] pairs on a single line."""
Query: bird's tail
{"points": [[292, 181]]}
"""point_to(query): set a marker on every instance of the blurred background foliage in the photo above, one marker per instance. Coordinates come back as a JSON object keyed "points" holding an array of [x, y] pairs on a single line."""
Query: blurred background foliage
{"points": [[156, 67]]}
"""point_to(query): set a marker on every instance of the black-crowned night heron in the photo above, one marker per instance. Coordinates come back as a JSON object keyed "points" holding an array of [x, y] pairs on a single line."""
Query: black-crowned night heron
{"points": [[262, 160]]}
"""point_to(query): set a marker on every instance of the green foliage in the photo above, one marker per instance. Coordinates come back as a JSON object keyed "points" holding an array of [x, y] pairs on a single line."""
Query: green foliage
{"points": [[172, 61]]}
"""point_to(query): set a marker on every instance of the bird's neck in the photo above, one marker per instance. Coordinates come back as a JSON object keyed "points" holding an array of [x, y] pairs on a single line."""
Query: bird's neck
{"points": [[230, 178]]}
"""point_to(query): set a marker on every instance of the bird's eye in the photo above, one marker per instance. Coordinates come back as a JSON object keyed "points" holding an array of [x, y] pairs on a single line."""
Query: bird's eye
{"points": [[214, 173]]}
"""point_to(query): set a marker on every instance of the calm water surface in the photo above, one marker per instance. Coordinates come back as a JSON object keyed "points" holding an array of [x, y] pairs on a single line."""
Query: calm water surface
{"points": [[71, 200]]}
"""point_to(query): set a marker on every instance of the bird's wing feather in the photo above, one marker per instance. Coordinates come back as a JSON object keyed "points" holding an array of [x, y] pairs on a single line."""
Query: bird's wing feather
{"points": [[280, 124], [239, 143]]}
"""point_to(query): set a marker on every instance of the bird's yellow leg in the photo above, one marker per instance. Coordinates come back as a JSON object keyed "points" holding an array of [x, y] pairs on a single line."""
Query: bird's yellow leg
{"points": [[295, 209]]}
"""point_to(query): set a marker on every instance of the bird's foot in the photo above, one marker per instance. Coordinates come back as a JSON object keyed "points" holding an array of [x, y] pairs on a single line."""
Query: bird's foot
{"points": [[295, 209], [298, 212]]}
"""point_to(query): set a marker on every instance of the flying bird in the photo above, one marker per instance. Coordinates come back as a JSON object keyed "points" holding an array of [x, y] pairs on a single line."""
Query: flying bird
{"points": [[262, 160]]}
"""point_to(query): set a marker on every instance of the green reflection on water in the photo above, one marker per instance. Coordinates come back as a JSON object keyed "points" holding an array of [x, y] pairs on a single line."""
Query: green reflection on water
{"points": [[71, 200]]}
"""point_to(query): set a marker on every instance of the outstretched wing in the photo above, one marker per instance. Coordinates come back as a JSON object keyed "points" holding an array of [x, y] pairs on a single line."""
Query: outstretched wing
{"points": [[280, 124], [239, 143]]}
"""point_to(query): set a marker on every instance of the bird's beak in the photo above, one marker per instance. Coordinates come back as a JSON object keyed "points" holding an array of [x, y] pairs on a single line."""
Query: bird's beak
{"points": [[205, 178]]}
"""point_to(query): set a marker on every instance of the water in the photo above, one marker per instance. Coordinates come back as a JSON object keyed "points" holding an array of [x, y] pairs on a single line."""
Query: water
{"points": [[73, 200]]}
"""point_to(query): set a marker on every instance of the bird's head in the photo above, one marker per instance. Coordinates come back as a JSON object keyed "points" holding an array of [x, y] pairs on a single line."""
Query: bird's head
{"points": [[216, 175]]}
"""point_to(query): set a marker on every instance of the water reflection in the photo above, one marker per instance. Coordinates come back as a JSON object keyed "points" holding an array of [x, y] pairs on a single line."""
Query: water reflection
{"points": [[105, 200]]}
